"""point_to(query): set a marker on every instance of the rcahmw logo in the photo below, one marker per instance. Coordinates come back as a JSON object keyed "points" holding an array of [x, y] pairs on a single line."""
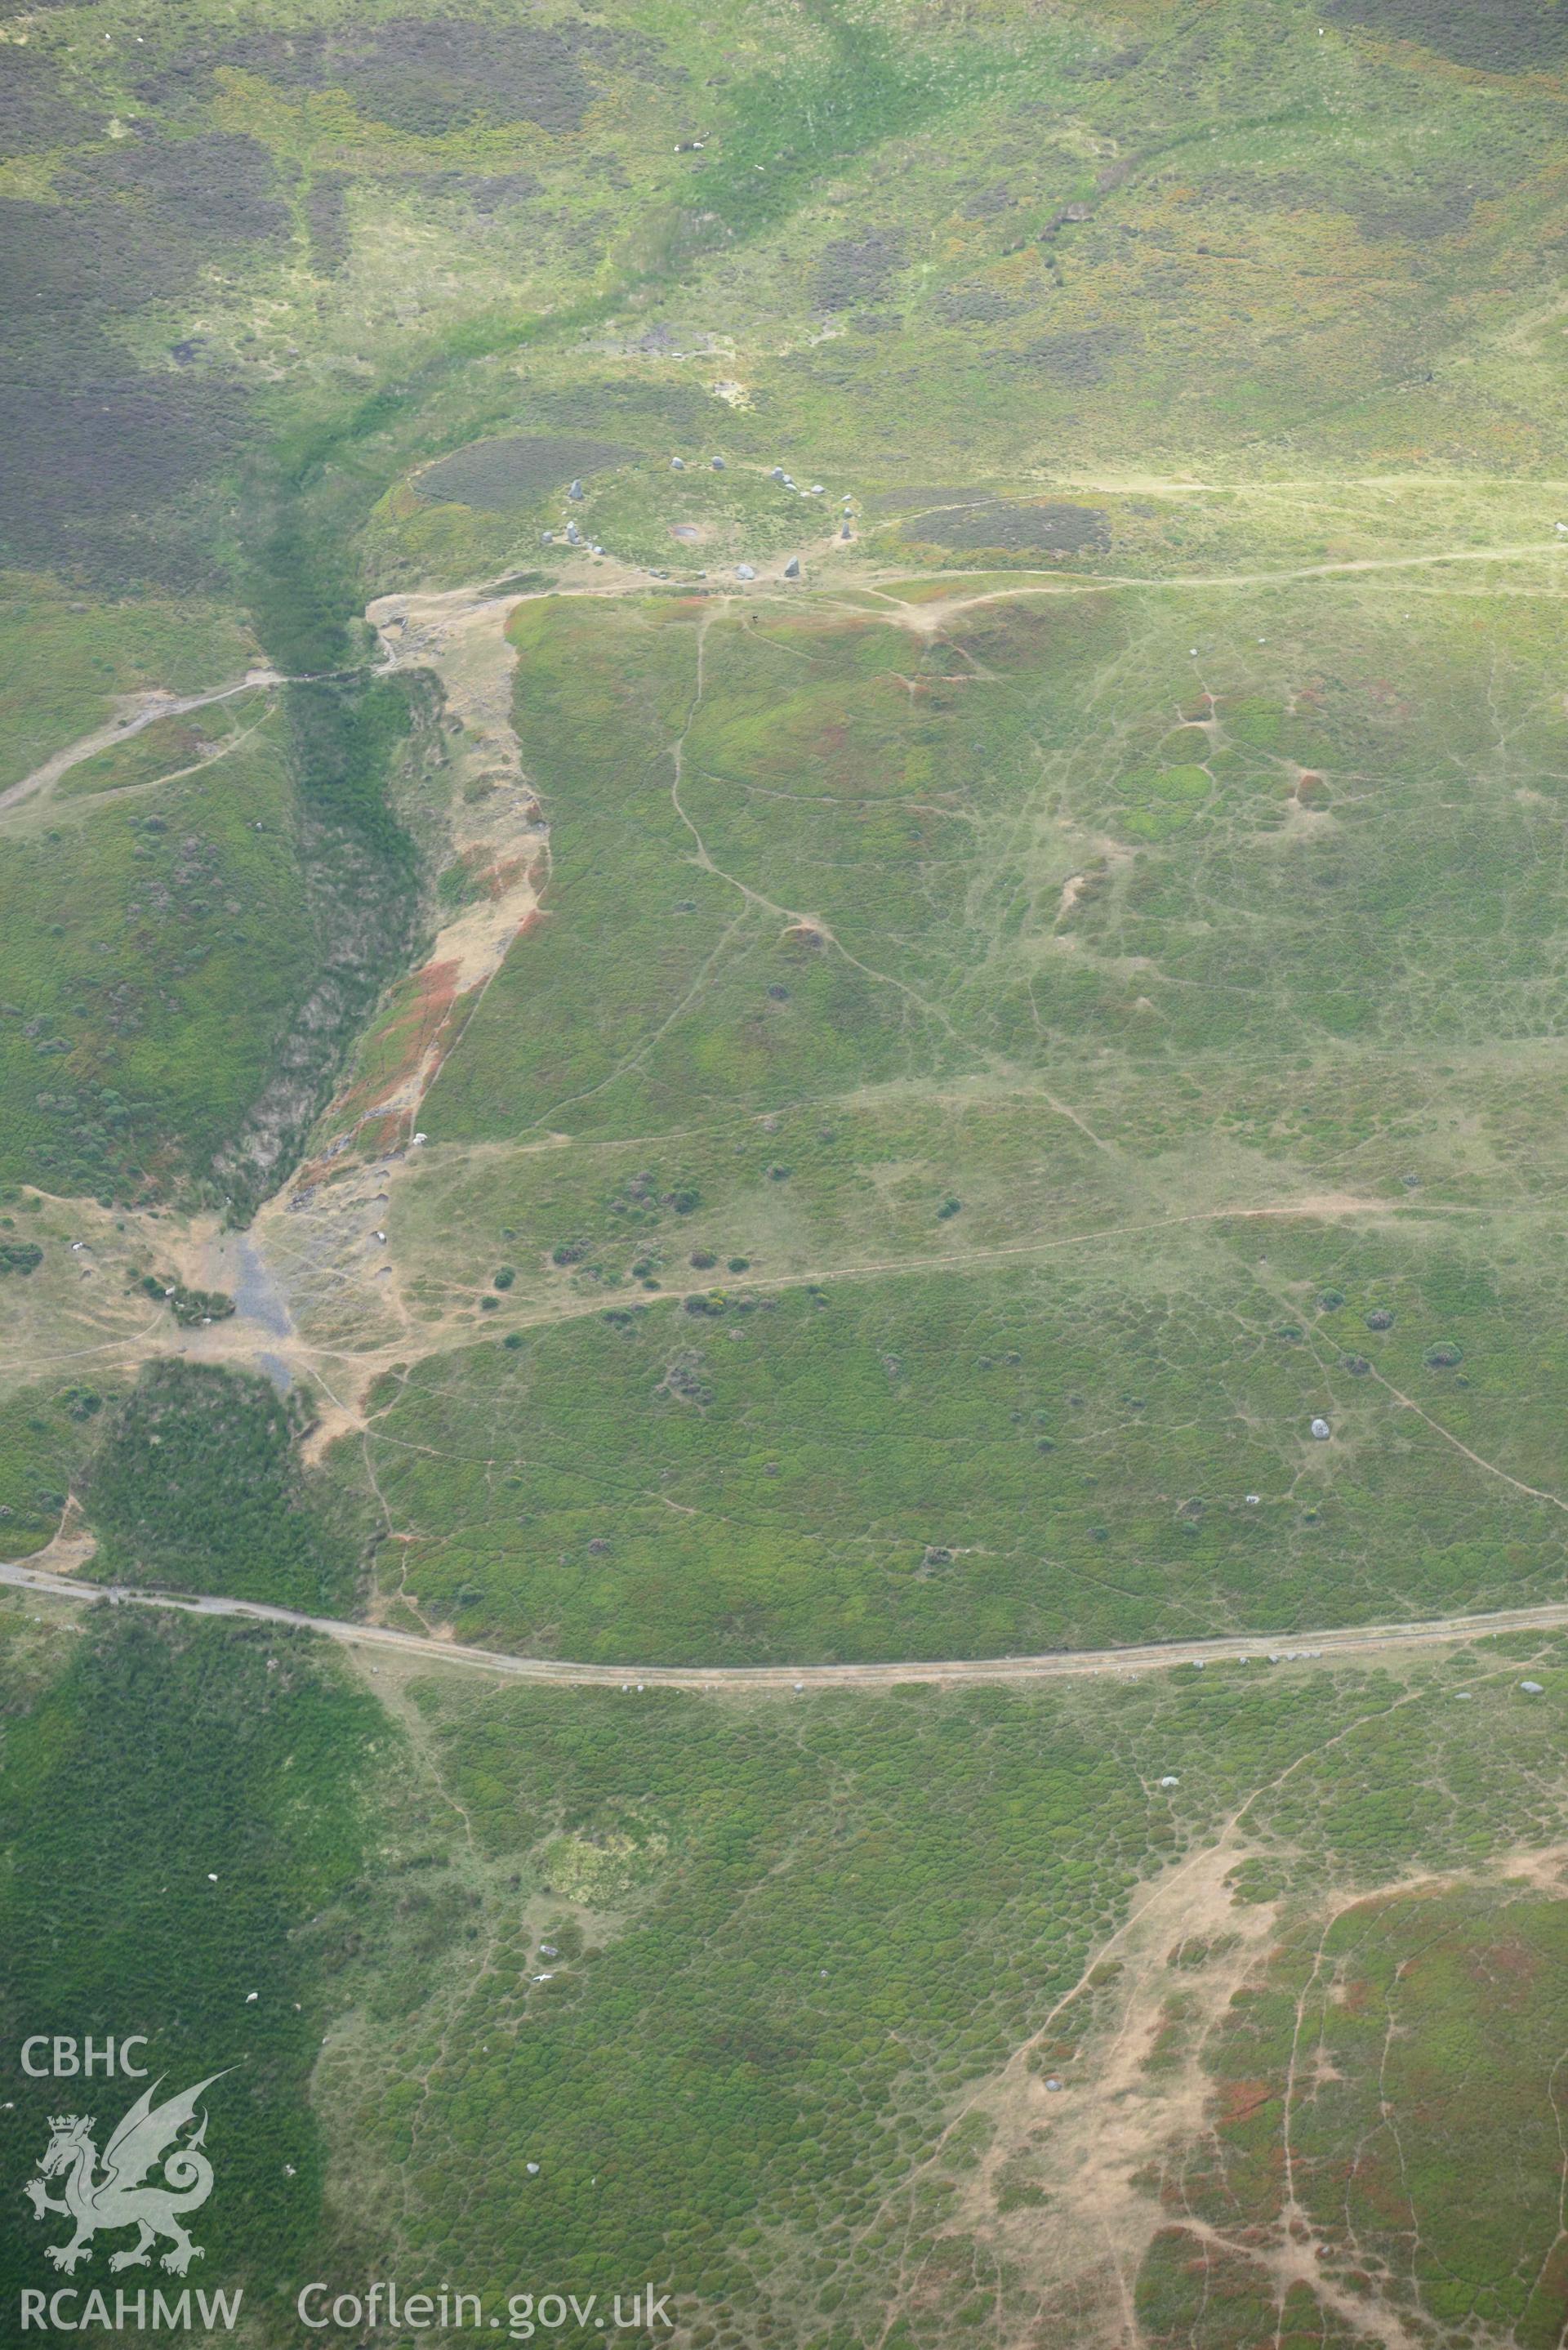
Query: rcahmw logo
{"points": [[152, 2175]]}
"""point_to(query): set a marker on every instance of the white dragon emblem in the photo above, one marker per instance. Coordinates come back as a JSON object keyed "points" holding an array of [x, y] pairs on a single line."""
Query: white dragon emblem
{"points": [[117, 2197]]}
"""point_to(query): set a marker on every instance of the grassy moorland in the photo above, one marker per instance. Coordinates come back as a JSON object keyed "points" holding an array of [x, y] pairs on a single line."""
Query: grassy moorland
{"points": [[67, 660], [813, 2010], [932, 1073], [907, 1916], [795, 853], [148, 969], [1405, 2002], [971, 1104], [445, 262], [1102, 1443]]}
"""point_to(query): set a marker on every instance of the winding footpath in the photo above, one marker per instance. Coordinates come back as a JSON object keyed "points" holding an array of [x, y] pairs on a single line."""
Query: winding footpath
{"points": [[136, 712], [1077, 1664]]}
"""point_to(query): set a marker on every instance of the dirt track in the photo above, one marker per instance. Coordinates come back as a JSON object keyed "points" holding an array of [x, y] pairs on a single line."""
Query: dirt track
{"points": [[135, 711], [1080, 1664]]}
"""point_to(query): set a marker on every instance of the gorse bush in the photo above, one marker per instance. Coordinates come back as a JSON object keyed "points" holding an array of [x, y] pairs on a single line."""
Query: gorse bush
{"points": [[198, 1485]]}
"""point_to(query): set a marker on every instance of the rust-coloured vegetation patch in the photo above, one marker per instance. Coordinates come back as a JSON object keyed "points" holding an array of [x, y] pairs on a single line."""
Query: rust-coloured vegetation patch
{"points": [[1240, 2100], [1392, 2079]]}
